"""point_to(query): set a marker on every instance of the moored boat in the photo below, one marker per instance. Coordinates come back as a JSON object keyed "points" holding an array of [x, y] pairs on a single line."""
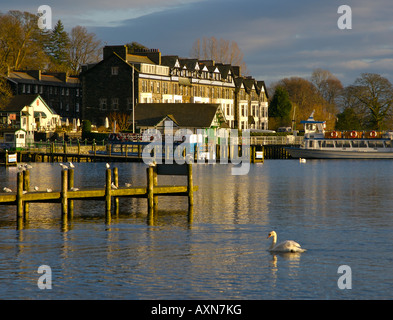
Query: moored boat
{"points": [[321, 144]]}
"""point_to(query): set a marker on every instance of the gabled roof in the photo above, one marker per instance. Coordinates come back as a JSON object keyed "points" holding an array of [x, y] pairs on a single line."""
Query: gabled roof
{"points": [[187, 115], [18, 102], [170, 61]]}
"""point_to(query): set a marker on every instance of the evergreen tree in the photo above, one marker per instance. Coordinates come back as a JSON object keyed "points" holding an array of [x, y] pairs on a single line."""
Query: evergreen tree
{"points": [[280, 106], [57, 45]]}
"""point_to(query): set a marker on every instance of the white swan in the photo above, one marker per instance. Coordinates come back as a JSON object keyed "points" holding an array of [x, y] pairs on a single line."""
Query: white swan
{"points": [[285, 246], [302, 160]]}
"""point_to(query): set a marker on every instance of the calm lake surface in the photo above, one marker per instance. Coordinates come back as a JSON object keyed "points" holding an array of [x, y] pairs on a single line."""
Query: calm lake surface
{"points": [[339, 210]]}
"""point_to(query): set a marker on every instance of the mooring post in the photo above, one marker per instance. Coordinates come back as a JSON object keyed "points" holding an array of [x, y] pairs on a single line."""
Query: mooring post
{"points": [[150, 187], [108, 195], [19, 196], [190, 190], [70, 186], [26, 187], [64, 192], [116, 183], [155, 184]]}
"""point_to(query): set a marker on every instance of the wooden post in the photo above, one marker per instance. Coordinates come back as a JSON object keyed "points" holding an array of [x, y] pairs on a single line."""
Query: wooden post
{"points": [[70, 186], [26, 187], [190, 188], [19, 196], [64, 192], [116, 182], [155, 184], [150, 187], [108, 196]]}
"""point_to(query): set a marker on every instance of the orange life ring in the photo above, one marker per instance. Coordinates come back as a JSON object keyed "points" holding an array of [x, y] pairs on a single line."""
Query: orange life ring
{"points": [[373, 134], [353, 134], [334, 134]]}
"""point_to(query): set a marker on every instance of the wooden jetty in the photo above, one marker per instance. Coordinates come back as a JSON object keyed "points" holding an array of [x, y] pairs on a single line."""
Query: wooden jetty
{"points": [[68, 194]]}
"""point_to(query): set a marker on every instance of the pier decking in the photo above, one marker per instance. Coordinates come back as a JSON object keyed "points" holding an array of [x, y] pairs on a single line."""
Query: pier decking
{"points": [[23, 195]]}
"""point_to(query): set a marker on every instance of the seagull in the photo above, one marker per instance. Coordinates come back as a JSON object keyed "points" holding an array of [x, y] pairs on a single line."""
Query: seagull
{"points": [[63, 166], [74, 189], [28, 166], [7, 189], [107, 165], [113, 186], [71, 165], [48, 190], [127, 185], [21, 167], [302, 160], [35, 188]]}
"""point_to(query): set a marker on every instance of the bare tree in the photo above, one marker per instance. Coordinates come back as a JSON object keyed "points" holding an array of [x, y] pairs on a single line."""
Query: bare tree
{"points": [[122, 120], [223, 51], [329, 86], [375, 94], [84, 48], [20, 40]]}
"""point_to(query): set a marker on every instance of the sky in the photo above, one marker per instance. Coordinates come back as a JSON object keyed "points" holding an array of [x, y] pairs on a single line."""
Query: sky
{"points": [[279, 38]]}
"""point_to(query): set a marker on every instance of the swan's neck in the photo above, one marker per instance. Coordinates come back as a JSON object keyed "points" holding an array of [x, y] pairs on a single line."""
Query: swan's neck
{"points": [[274, 241]]}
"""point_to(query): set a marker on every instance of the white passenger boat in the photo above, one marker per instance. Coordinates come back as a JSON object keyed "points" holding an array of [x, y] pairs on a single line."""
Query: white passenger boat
{"points": [[321, 144]]}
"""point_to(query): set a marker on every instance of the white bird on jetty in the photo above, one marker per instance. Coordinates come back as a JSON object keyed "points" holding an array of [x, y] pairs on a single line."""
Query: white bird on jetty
{"points": [[48, 190], [107, 165], [5, 189], [113, 186], [127, 185], [71, 165], [74, 189], [302, 160], [21, 167], [285, 246], [36, 188], [63, 166]]}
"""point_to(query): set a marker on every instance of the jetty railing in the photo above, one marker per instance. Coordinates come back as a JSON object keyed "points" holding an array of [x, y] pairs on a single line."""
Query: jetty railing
{"points": [[68, 194]]}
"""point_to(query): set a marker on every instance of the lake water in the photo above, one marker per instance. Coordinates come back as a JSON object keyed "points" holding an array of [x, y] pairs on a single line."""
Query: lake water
{"points": [[339, 210]]}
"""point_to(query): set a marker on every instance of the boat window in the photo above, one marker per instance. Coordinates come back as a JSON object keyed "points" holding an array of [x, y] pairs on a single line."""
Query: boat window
{"points": [[346, 144], [355, 144], [362, 144], [388, 144], [339, 144], [372, 144], [379, 144], [328, 144]]}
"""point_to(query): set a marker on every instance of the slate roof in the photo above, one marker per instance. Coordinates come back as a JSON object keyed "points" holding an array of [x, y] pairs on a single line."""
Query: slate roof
{"points": [[187, 115]]}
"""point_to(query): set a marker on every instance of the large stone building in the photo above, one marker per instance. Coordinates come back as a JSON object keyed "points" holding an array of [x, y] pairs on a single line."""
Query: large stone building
{"points": [[122, 80], [60, 91]]}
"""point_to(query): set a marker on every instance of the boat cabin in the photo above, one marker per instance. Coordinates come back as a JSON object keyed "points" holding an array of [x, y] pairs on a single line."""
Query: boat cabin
{"points": [[313, 128]]}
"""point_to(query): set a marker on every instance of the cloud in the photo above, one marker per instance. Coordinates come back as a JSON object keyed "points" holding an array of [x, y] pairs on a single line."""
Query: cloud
{"points": [[279, 38]]}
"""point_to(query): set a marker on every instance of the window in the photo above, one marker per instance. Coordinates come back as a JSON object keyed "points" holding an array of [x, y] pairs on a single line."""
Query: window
{"points": [[129, 104], [103, 103], [115, 71], [77, 107], [115, 103]]}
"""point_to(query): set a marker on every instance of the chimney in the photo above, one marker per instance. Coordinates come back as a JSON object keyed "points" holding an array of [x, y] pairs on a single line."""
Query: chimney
{"points": [[153, 54], [119, 50], [36, 74]]}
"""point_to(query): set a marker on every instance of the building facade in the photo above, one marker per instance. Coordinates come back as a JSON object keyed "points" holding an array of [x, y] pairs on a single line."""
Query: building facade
{"points": [[121, 81], [60, 91]]}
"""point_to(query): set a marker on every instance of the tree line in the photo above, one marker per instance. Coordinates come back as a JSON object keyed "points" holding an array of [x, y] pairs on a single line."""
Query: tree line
{"points": [[23, 45], [367, 104]]}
